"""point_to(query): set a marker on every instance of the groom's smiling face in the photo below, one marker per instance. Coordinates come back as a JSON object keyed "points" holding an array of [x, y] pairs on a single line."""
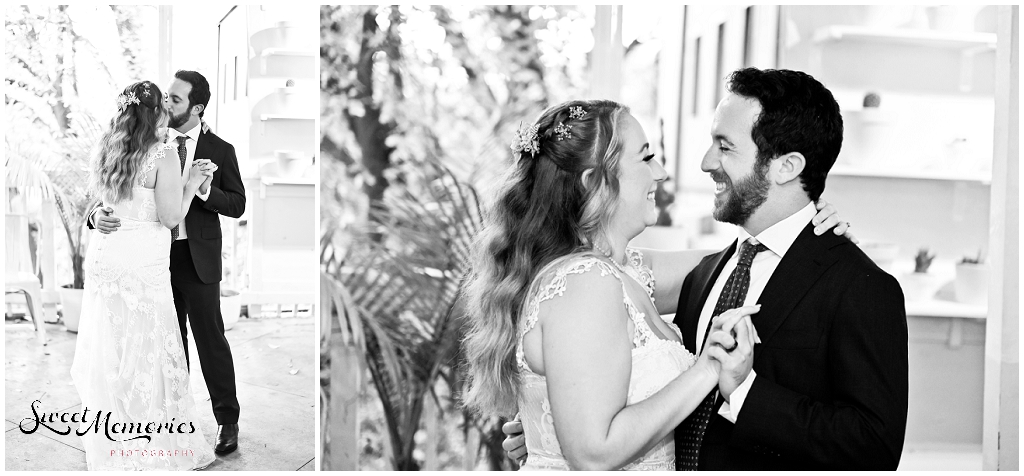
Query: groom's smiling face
{"points": [[740, 186]]}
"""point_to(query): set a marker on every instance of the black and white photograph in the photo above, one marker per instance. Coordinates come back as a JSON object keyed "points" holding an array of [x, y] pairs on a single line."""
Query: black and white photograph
{"points": [[669, 237], [161, 169]]}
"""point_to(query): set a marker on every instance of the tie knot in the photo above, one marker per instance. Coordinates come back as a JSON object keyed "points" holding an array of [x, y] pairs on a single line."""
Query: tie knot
{"points": [[749, 251], [181, 140]]}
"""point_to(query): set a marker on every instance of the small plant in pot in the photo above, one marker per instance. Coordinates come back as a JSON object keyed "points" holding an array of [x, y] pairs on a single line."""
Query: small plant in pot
{"points": [[921, 285], [971, 283], [923, 261]]}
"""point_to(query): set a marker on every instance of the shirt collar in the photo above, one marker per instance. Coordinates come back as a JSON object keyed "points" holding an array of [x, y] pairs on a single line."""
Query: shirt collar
{"points": [[780, 236], [193, 133]]}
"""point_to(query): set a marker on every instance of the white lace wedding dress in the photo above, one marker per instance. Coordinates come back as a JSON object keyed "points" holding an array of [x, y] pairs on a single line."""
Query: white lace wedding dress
{"points": [[129, 359], [655, 363]]}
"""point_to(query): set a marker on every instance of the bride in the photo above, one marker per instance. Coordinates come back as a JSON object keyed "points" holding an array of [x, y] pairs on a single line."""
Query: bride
{"points": [[564, 319], [129, 366]]}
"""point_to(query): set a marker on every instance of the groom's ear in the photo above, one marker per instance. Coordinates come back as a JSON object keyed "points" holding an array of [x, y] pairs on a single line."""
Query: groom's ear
{"points": [[788, 167], [198, 109]]}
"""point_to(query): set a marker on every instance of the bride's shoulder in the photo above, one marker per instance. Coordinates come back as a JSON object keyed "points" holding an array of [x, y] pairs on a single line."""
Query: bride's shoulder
{"points": [[158, 150], [580, 275], [580, 263]]}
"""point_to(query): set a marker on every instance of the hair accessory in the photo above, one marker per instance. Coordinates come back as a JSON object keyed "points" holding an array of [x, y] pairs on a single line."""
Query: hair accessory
{"points": [[562, 132], [145, 90], [124, 100], [577, 112], [526, 140]]}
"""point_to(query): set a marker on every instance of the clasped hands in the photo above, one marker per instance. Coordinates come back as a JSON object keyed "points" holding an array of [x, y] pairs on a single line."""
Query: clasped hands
{"points": [[202, 169], [730, 346], [729, 350]]}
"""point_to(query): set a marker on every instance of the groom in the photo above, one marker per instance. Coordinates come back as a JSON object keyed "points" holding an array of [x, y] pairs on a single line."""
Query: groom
{"points": [[827, 386], [196, 246]]}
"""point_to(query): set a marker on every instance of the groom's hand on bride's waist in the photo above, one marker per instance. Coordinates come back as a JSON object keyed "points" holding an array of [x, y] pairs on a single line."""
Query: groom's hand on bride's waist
{"points": [[515, 442]]}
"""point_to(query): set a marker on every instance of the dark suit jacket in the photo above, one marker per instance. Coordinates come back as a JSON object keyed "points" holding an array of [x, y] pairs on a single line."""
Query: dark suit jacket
{"points": [[227, 197], [831, 385]]}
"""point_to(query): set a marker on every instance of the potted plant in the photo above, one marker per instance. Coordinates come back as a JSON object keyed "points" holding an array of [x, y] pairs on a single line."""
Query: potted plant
{"points": [[971, 283], [50, 129], [61, 173], [921, 285], [230, 307], [872, 133]]}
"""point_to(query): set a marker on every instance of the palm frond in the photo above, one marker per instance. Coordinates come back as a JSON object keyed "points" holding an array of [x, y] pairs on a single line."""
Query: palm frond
{"points": [[405, 286]]}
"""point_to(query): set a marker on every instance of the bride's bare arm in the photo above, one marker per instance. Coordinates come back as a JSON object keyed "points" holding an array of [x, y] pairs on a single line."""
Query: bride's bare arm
{"points": [[586, 357], [670, 269], [173, 196]]}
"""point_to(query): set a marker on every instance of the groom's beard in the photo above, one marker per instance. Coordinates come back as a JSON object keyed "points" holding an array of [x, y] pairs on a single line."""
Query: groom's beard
{"points": [[177, 121], [743, 198]]}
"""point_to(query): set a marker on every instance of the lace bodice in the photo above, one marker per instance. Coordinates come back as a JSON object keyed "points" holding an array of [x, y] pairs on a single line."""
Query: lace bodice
{"points": [[142, 206], [655, 361]]}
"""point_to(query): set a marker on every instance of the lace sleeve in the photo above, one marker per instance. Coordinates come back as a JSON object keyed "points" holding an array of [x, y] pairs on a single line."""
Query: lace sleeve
{"points": [[155, 153], [552, 284], [644, 275]]}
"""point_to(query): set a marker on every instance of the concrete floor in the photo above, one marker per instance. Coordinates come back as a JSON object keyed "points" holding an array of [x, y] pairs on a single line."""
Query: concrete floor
{"points": [[278, 415]]}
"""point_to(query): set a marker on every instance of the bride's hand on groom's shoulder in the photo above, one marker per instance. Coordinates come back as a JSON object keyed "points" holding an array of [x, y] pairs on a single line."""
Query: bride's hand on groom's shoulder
{"points": [[828, 218]]}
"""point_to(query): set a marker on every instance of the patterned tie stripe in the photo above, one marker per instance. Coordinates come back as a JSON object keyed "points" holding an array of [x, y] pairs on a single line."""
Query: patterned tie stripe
{"points": [[182, 153], [733, 295]]}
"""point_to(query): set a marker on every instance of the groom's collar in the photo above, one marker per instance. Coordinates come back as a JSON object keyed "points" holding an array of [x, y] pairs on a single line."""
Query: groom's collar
{"points": [[192, 133], [780, 236]]}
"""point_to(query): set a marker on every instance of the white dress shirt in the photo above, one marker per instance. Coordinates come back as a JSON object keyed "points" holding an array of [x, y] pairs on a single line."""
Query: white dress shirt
{"points": [[190, 153], [778, 238]]}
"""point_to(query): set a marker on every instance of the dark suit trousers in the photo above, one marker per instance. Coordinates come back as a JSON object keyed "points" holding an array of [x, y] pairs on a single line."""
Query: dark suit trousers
{"points": [[199, 303]]}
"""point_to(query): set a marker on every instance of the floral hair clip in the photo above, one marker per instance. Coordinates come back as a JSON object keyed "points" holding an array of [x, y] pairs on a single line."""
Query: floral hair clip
{"points": [[124, 100], [562, 132], [145, 90], [526, 140], [577, 112]]}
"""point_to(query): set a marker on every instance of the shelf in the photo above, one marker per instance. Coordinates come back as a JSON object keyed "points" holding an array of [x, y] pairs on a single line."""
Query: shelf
{"points": [[852, 171], [908, 37], [944, 308], [274, 51], [289, 180], [287, 52], [285, 117]]}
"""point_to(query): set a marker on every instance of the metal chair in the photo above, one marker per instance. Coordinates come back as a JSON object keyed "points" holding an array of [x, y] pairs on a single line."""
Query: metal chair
{"points": [[18, 276]]}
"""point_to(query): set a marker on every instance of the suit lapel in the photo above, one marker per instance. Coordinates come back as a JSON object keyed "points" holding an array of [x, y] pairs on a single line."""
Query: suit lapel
{"points": [[202, 152], [704, 279], [798, 271], [202, 146]]}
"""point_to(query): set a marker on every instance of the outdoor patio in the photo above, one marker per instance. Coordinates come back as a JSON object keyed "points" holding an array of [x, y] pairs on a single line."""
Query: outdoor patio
{"points": [[274, 362]]}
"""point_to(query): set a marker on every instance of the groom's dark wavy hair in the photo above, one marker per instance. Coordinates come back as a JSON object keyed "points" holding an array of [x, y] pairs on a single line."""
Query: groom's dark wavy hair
{"points": [[798, 114], [554, 203], [200, 93]]}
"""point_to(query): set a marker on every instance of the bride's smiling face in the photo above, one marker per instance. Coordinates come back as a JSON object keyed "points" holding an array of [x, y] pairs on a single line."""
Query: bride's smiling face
{"points": [[639, 174]]}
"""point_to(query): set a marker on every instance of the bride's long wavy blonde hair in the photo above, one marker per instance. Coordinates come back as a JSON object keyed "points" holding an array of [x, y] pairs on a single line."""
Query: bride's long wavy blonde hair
{"points": [[122, 149], [549, 208]]}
